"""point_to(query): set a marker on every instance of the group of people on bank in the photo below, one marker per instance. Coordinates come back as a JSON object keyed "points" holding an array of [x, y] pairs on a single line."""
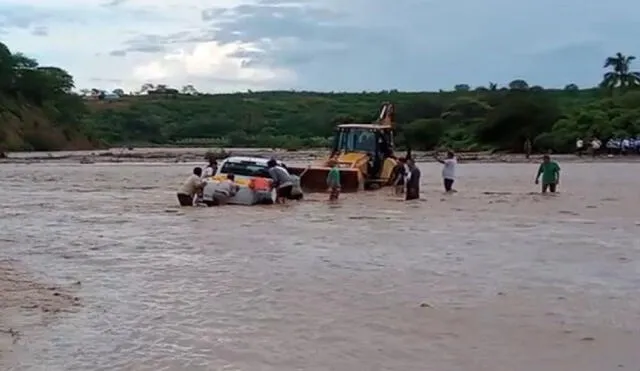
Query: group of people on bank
{"points": [[623, 146], [594, 147], [613, 146]]}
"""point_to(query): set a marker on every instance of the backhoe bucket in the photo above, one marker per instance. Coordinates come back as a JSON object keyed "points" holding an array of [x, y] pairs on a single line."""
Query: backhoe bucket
{"points": [[314, 179]]}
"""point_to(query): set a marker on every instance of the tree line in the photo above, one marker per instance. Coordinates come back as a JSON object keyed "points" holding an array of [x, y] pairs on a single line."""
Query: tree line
{"points": [[37, 109], [465, 118], [147, 88]]}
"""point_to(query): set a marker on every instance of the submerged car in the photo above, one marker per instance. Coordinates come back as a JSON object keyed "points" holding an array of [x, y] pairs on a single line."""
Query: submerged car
{"points": [[252, 177]]}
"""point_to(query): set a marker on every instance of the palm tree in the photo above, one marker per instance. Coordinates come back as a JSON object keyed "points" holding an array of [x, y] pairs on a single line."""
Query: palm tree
{"points": [[620, 76]]}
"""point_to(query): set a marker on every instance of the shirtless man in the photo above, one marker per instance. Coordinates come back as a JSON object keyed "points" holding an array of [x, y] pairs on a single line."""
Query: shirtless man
{"points": [[413, 181], [398, 175]]}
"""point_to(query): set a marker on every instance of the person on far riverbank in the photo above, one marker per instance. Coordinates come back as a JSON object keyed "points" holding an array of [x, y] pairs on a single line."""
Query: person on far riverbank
{"points": [[579, 147], [595, 147], [527, 148], [550, 171]]}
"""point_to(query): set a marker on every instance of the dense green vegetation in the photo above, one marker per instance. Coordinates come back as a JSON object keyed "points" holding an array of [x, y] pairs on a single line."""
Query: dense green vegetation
{"points": [[37, 111], [465, 118]]}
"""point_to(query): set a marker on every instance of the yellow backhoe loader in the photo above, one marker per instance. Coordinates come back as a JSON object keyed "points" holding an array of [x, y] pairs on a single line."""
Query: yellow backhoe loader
{"points": [[364, 153]]}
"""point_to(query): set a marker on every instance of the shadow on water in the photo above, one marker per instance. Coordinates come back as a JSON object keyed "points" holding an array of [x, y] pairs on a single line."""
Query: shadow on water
{"points": [[470, 281]]}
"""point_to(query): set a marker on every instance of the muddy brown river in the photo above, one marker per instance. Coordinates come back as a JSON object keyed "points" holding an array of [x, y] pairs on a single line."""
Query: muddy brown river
{"points": [[495, 277]]}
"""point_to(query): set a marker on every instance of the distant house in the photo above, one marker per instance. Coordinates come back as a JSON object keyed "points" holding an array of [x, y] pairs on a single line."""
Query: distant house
{"points": [[110, 96], [164, 91], [102, 96]]}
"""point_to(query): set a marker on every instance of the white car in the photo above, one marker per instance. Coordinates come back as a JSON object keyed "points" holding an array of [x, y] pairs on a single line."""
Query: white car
{"points": [[252, 176]]}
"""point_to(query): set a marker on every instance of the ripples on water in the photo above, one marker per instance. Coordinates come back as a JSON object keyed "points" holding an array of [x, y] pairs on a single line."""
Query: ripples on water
{"points": [[510, 280]]}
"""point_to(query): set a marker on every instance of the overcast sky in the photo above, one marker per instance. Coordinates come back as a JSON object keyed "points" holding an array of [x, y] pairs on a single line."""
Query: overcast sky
{"points": [[330, 45]]}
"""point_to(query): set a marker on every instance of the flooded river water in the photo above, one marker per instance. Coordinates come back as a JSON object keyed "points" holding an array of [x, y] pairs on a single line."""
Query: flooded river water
{"points": [[493, 278]]}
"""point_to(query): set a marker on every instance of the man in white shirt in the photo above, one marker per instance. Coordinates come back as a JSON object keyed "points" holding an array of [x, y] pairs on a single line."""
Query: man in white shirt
{"points": [[211, 169], [448, 170], [192, 186]]}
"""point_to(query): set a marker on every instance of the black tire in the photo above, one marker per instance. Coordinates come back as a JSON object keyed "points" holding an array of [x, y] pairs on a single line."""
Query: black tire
{"points": [[371, 186]]}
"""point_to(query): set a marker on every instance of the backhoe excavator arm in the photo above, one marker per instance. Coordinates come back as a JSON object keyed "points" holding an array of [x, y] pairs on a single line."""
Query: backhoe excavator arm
{"points": [[387, 115]]}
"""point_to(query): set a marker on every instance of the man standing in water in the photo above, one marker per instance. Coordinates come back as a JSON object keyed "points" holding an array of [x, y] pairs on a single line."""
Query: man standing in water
{"points": [[397, 176], [192, 186], [281, 181], [550, 171], [412, 181], [333, 180], [448, 170]]}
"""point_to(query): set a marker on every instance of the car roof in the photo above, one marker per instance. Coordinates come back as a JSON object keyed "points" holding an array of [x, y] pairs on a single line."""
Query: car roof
{"points": [[257, 160], [365, 126]]}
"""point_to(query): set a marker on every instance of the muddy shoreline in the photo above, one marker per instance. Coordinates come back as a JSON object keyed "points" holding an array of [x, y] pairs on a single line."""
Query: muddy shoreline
{"points": [[177, 155], [27, 304]]}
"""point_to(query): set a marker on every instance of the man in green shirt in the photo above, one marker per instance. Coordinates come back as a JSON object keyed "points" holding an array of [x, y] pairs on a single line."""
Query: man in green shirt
{"points": [[333, 180], [550, 171]]}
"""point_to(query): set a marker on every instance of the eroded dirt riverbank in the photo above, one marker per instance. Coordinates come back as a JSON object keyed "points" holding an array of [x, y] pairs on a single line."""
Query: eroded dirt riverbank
{"points": [[27, 304], [496, 277]]}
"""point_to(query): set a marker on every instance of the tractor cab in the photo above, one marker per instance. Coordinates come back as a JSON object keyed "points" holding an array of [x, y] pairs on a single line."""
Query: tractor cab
{"points": [[374, 140]]}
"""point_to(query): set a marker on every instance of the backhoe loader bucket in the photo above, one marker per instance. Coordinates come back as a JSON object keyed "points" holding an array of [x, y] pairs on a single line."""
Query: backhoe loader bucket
{"points": [[314, 179]]}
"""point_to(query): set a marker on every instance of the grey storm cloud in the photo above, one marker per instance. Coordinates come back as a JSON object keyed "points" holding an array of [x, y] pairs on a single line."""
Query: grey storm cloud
{"points": [[150, 44], [22, 18], [14, 18], [40, 31], [325, 46], [112, 3], [418, 44]]}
